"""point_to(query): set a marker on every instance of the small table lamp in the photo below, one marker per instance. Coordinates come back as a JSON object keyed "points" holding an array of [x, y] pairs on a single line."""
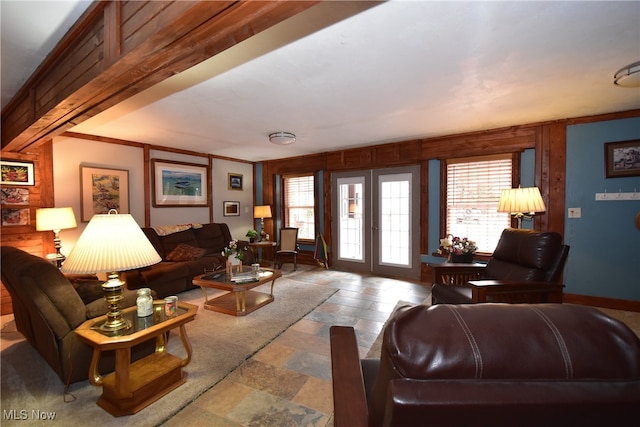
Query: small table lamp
{"points": [[55, 219], [262, 212], [521, 202], [111, 243]]}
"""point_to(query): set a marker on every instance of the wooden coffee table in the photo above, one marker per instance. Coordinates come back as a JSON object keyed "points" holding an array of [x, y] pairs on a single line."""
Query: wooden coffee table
{"points": [[240, 300], [136, 385]]}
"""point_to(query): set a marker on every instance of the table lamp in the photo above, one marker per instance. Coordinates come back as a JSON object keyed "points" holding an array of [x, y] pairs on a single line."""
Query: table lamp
{"points": [[111, 243], [521, 202], [55, 219], [262, 212]]}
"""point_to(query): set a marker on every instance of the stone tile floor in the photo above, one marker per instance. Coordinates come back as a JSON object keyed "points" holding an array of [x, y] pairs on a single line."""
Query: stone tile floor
{"points": [[288, 383]]}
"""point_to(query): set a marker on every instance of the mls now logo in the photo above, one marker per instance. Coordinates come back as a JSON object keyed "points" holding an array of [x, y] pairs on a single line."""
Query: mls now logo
{"points": [[23, 414]]}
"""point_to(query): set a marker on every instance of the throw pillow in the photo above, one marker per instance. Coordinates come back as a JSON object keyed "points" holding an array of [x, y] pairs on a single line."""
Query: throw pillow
{"points": [[184, 252]]}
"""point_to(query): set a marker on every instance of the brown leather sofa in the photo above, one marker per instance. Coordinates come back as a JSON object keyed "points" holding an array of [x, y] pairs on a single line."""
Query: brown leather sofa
{"points": [[185, 254], [525, 267], [47, 307], [490, 365]]}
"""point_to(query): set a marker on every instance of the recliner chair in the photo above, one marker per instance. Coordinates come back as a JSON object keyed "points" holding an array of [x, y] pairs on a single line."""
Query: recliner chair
{"points": [[490, 365], [47, 308], [525, 267]]}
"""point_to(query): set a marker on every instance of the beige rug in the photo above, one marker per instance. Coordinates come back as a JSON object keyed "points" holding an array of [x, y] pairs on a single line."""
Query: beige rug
{"points": [[220, 344]]}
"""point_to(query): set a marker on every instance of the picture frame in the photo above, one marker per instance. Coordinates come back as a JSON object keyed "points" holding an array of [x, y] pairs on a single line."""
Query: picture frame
{"points": [[235, 181], [179, 184], [103, 189], [15, 216], [14, 196], [13, 172], [622, 158], [231, 208]]}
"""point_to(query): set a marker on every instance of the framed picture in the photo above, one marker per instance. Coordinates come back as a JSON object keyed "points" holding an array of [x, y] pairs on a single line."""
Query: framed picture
{"points": [[14, 196], [235, 181], [15, 216], [16, 173], [622, 158], [103, 189], [231, 208], [179, 184]]}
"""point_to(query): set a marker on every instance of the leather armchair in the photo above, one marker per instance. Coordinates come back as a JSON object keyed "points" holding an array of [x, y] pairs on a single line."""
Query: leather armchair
{"points": [[458, 365], [47, 308], [525, 267]]}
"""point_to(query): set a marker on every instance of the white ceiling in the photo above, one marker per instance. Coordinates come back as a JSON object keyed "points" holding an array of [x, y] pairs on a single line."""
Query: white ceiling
{"points": [[393, 72]]}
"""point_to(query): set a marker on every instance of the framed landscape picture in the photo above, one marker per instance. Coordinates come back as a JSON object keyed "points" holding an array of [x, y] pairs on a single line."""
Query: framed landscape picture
{"points": [[16, 173], [179, 184], [235, 181], [622, 158], [103, 189], [231, 208]]}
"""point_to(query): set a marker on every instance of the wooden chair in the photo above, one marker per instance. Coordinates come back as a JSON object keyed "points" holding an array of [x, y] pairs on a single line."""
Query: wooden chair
{"points": [[287, 246]]}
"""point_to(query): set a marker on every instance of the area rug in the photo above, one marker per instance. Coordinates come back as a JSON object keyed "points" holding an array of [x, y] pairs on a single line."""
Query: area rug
{"points": [[220, 342]]}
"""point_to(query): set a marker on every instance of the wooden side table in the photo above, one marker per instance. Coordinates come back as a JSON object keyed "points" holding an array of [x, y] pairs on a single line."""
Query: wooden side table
{"points": [[258, 249], [134, 386]]}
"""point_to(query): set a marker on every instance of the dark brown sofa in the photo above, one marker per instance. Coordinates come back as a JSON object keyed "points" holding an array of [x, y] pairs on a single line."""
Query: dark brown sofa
{"points": [[490, 365], [48, 307], [185, 254]]}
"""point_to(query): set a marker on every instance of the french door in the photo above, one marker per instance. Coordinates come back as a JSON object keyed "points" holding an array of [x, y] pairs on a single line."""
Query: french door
{"points": [[375, 221]]}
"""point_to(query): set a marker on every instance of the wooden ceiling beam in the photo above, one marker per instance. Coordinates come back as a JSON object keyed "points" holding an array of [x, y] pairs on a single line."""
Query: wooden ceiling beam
{"points": [[120, 48]]}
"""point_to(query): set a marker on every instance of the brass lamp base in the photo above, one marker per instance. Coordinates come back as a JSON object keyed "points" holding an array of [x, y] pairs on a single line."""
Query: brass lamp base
{"points": [[113, 289]]}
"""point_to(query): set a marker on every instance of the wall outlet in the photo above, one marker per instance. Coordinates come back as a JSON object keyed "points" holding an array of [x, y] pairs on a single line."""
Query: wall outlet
{"points": [[575, 212]]}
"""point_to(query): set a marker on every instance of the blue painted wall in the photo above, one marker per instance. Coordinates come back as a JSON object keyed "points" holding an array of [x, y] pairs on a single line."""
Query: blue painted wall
{"points": [[604, 259]]}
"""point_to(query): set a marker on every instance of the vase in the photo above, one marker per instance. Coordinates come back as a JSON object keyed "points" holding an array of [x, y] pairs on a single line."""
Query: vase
{"points": [[465, 258], [234, 265]]}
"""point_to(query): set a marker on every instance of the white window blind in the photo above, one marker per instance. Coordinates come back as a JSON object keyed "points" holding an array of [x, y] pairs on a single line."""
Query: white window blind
{"points": [[473, 190], [299, 205]]}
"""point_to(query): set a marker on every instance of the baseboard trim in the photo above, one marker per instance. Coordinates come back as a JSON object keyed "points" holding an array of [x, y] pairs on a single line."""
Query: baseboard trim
{"points": [[613, 303]]}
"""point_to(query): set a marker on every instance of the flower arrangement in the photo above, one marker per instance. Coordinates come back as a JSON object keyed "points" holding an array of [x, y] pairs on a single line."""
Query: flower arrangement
{"points": [[252, 234], [457, 245], [233, 249]]}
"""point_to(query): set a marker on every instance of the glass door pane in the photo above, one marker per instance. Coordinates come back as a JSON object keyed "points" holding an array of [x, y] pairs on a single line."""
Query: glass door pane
{"points": [[395, 220], [350, 212]]}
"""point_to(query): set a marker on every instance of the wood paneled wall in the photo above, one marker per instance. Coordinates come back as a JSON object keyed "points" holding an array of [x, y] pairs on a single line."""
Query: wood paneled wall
{"points": [[26, 237], [549, 141]]}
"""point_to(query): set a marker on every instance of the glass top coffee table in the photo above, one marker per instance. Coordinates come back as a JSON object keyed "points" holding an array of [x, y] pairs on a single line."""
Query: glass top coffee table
{"points": [[240, 299]]}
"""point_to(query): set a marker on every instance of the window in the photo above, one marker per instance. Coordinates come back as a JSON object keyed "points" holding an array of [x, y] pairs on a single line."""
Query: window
{"points": [[473, 187], [299, 205]]}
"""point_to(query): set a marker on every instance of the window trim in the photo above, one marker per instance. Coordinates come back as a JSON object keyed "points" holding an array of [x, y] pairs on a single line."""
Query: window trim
{"points": [[515, 182]]}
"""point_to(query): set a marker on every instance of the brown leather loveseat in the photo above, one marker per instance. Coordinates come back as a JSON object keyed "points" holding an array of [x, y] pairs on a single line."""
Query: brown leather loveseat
{"points": [[490, 365]]}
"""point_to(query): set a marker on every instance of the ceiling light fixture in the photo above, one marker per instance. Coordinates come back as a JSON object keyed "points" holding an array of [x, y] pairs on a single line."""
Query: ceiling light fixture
{"points": [[628, 76], [282, 138]]}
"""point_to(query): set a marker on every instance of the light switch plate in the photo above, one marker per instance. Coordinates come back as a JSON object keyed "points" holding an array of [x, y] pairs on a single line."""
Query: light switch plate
{"points": [[575, 212]]}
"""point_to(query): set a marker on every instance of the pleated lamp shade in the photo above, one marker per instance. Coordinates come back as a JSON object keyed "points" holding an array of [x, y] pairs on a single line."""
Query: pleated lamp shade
{"points": [[110, 243], [518, 201]]}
